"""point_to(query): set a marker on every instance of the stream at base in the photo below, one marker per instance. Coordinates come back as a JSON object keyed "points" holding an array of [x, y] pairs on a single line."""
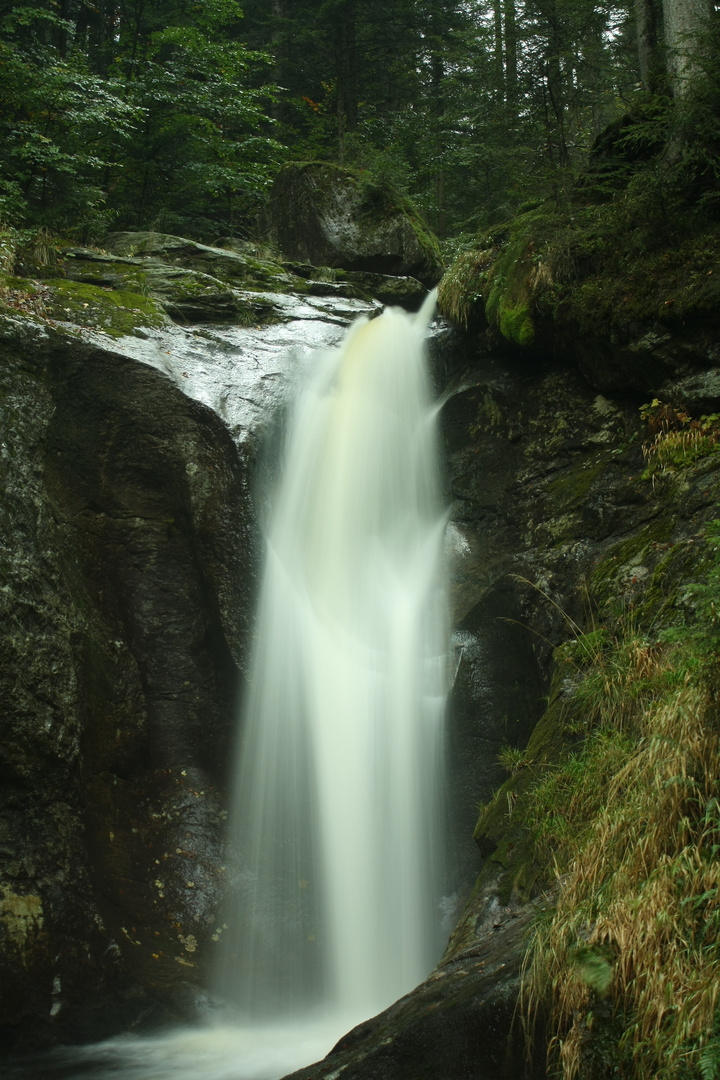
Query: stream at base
{"points": [[260, 1052]]}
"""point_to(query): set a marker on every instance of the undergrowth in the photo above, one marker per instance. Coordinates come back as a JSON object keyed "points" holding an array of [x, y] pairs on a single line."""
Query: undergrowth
{"points": [[677, 438], [629, 821], [634, 242]]}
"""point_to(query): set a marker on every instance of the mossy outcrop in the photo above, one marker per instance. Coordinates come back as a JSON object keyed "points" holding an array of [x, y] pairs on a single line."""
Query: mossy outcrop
{"points": [[635, 309], [330, 216], [238, 270], [186, 296]]}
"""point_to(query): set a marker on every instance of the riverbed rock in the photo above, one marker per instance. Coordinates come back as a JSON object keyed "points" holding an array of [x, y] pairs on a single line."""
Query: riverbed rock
{"points": [[330, 216]]}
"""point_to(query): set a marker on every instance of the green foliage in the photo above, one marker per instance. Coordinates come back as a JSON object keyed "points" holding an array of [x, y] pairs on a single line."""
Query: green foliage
{"points": [[58, 122], [678, 439], [154, 117], [475, 106], [595, 969], [709, 1060], [512, 759], [630, 822], [201, 161]]}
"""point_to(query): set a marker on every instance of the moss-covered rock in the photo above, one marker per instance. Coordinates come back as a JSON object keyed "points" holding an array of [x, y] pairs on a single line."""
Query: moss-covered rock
{"points": [[235, 269], [330, 216], [634, 309], [96, 308], [187, 296]]}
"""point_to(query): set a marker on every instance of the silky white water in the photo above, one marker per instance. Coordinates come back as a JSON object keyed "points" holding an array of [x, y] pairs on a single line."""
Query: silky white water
{"points": [[335, 835], [336, 823]]}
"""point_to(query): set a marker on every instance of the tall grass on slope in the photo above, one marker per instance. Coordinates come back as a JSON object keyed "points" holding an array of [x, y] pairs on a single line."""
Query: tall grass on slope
{"points": [[632, 824]]}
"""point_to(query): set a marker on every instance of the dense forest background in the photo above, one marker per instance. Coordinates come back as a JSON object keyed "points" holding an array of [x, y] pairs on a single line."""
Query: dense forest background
{"points": [[176, 114]]}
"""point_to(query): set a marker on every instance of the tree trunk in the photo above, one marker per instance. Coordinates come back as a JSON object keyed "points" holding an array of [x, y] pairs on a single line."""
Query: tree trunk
{"points": [[685, 22], [511, 60], [346, 72], [498, 50], [648, 21]]}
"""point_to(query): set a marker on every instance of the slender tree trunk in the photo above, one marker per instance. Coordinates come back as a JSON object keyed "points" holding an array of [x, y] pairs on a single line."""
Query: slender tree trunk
{"points": [[648, 21], [498, 50], [555, 87], [278, 47], [437, 69], [511, 59], [346, 71], [441, 196]]}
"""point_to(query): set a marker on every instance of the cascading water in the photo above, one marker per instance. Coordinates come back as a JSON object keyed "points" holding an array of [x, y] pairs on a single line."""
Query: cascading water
{"points": [[336, 823]]}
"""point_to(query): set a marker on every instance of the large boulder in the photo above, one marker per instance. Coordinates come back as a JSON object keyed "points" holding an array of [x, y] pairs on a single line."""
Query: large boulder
{"points": [[330, 216]]}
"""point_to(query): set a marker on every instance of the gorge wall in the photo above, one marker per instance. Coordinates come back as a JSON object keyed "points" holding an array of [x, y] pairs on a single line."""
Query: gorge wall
{"points": [[129, 554]]}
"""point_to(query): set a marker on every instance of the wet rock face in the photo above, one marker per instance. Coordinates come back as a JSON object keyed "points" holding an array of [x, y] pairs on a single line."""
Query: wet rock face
{"points": [[127, 578], [537, 489], [461, 1023], [129, 551], [325, 215]]}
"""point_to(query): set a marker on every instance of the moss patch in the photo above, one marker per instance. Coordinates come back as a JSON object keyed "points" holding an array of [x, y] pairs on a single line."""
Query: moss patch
{"points": [[587, 271], [114, 313]]}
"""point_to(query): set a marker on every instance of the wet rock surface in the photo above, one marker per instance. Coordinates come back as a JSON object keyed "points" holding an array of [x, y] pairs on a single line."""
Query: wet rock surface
{"points": [[129, 559], [461, 1023], [118, 679]]}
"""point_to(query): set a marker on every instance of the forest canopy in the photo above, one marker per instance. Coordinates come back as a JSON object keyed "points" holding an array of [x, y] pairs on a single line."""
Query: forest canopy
{"points": [[176, 114]]}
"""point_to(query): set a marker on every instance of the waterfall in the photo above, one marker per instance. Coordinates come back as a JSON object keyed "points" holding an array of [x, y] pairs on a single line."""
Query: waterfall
{"points": [[336, 822], [336, 834]]}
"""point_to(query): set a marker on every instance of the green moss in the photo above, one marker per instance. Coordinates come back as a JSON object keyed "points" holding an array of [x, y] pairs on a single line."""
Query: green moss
{"points": [[587, 269], [516, 325], [497, 276], [509, 302], [501, 832], [115, 313], [572, 488]]}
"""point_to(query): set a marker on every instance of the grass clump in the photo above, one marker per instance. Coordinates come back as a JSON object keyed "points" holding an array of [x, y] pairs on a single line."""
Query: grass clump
{"points": [[463, 288], [677, 439], [629, 821]]}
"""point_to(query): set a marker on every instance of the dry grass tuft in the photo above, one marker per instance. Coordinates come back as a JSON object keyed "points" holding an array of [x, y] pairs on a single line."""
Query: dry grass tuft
{"points": [[677, 439], [464, 285], [631, 825]]}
